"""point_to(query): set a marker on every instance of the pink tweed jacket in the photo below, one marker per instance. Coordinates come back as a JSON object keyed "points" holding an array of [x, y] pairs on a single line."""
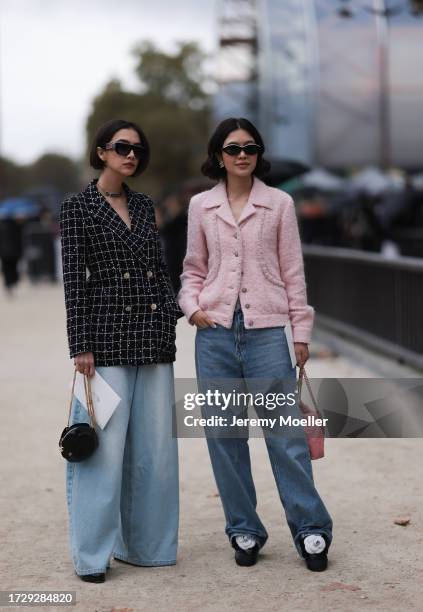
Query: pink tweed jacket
{"points": [[258, 259]]}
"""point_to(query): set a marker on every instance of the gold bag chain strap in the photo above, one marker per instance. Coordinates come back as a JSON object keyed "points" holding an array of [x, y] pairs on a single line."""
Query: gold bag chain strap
{"points": [[302, 375], [89, 397]]}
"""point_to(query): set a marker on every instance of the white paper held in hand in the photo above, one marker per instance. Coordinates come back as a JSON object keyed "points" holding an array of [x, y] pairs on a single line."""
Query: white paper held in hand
{"points": [[105, 399], [290, 340]]}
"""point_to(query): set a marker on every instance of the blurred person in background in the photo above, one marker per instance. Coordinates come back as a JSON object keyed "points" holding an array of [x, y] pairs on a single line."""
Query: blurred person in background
{"points": [[10, 252], [242, 281], [174, 235], [123, 500], [173, 226], [39, 247], [317, 222]]}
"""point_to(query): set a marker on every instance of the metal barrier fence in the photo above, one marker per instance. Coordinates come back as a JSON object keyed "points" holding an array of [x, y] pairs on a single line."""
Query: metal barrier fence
{"points": [[377, 301]]}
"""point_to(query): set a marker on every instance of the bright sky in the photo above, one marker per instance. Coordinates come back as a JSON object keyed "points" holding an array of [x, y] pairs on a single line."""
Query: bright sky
{"points": [[56, 56]]}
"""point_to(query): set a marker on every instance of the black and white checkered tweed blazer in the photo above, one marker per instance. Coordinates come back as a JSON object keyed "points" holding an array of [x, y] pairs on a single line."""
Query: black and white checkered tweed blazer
{"points": [[125, 311]]}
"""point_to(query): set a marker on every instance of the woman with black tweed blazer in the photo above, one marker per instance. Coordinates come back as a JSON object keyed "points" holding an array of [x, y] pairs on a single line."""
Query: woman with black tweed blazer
{"points": [[123, 500]]}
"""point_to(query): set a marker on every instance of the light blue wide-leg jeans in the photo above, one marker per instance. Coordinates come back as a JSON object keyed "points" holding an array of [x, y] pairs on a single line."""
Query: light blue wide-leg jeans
{"points": [[247, 359], [124, 500]]}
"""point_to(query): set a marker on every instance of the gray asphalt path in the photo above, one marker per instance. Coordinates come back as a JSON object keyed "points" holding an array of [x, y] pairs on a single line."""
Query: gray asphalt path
{"points": [[374, 564]]}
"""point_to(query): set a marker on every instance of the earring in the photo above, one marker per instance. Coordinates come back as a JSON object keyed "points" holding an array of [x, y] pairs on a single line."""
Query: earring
{"points": [[221, 164]]}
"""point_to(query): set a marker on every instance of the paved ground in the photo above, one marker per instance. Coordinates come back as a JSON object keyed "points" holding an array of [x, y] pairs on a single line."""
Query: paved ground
{"points": [[375, 565]]}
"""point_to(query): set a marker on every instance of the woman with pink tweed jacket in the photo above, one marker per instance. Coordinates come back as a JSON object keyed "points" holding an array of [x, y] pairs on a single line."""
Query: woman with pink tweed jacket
{"points": [[242, 282]]}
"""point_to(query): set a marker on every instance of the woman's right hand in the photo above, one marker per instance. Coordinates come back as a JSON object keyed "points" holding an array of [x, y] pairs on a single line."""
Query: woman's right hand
{"points": [[84, 363], [202, 320]]}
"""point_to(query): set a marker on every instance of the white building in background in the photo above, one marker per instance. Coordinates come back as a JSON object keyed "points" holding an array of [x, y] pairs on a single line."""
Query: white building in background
{"points": [[324, 88]]}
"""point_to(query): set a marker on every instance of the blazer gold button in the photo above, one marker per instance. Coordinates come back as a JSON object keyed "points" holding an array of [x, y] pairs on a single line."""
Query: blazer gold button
{"points": [[149, 274], [236, 253], [153, 306], [244, 290], [128, 309], [250, 323], [126, 275], [247, 305]]}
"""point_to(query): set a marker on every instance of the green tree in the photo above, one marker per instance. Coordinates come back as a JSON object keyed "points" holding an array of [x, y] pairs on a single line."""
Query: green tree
{"points": [[177, 79], [10, 178], [171, 106], [55, 170]]}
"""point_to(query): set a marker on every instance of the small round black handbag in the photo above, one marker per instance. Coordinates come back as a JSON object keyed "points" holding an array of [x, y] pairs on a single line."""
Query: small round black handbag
{"points": [[79, 441]]}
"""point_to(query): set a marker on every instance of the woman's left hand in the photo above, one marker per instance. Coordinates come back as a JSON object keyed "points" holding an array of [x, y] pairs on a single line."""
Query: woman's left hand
{"points": [[301, 353]]}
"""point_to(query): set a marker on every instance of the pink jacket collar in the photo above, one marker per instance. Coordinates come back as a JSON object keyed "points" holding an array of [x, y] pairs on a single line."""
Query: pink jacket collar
{"points": [[217, 197]]}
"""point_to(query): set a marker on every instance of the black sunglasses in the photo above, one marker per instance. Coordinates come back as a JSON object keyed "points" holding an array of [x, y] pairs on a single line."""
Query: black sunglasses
{"points": [[235, 149], [124, 148]]}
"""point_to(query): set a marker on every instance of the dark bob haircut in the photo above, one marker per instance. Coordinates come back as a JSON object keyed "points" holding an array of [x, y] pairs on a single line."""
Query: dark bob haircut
{"points": [[105, 134], [211, 166]]}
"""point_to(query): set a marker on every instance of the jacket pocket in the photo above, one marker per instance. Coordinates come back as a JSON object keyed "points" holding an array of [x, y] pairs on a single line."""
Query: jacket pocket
{"points": [[262, 240], [215, 259], [269, 275], [273, 300]]}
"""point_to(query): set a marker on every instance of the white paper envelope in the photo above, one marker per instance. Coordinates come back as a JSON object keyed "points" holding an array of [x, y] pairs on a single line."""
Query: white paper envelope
{"points": [[105, 399], [290, 340]]}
